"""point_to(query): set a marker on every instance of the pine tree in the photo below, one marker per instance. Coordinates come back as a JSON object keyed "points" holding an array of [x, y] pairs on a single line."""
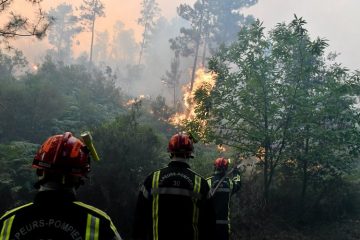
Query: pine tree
{"points": [[90, 10]]}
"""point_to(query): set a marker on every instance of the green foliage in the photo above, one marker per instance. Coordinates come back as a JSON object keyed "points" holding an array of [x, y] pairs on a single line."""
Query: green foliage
{"points": [[128, 152], [54, 100], [18, 25], [160, 110], [16, 175], [278, 96], [11, 64], [63, 31]]}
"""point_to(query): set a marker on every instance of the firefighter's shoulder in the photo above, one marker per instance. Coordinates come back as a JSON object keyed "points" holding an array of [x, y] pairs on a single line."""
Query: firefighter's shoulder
{"points": [[100, 214], [93, 210], [196, 174], [13, 211]]}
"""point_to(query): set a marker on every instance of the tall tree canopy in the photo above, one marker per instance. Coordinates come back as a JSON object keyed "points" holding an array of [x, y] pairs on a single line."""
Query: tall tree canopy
{"points": [[212, 23], [150, 12], [90, 10], [277, 97], [63, 31]]}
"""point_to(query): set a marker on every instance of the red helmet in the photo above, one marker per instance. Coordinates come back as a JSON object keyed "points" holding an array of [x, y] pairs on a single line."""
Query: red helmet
{"points": [[181, 144], [63, 154], [221, 164]]}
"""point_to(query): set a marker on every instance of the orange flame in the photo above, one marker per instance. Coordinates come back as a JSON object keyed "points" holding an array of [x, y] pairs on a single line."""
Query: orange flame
{"points": [[203, 79], [35, 67], [221, 148], [135, 100]]}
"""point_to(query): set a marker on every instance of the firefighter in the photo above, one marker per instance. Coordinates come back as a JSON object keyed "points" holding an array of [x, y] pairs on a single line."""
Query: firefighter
{"points": [[172, 203], [61, 164], [222, 187]]}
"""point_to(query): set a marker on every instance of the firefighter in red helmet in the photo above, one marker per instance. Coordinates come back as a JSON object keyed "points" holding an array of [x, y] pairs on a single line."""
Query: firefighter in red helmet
{"points": [[61, 164], [222, 187], [173, 201]]}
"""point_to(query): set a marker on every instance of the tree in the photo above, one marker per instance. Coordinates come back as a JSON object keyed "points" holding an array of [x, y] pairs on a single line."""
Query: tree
{"points": [[11, 64], [22, 26], [149, 13], [190, 39], [228, 20], [272, 99], [129, 151], [124, 45], [212, 23], [16, 177], [101, 47], [90, 10], [55, 99], [63, 31], [172, 77]]}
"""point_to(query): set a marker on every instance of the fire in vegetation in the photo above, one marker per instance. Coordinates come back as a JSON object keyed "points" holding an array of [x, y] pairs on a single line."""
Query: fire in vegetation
{"points": [[204, 80], [135, 100], [221, 148]]}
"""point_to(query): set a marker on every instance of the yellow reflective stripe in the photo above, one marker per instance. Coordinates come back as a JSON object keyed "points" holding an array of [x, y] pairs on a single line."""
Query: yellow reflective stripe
{"points": [[92, 228], [14, 210], [209, 182], [98, 211], [197, 186], [155, 205], [88, 224], [6, 229], [96, 234]]}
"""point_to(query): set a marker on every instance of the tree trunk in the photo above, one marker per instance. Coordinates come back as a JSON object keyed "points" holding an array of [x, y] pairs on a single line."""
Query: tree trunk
{"points": [[143, 43], [198, 40], [195, 63], [204, 52], [304, 171], [92, 38], [267, 157]]}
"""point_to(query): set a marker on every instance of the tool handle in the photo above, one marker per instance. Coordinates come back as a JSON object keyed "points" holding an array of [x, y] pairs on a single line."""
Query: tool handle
{"points": [[86, 136]]}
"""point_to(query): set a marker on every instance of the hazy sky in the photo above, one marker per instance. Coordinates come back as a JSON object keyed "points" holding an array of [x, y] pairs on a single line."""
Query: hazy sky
{"points": [[336, 20]]}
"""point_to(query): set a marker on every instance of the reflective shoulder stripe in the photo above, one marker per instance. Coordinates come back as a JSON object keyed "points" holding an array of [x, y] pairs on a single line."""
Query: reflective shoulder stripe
{"points": [[98, 211], [237, 178], [197, 188], [176, 191], [155, 205], [197, 184], [209, 181], [231, 184], [101, 213], [14, 210], [6, 229], [92, 228]]}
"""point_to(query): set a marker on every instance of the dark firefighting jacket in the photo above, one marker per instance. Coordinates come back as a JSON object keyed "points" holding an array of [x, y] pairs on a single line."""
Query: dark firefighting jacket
{"points": [[221, 199], [173, 204], [56, 215]]}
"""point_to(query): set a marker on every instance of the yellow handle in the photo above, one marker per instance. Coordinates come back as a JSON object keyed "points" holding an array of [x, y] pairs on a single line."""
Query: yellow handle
{"points": [[86, 136]]}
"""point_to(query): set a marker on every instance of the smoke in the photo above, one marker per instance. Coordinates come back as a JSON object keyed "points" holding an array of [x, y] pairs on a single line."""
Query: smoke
{"points": [[116, 44]]}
